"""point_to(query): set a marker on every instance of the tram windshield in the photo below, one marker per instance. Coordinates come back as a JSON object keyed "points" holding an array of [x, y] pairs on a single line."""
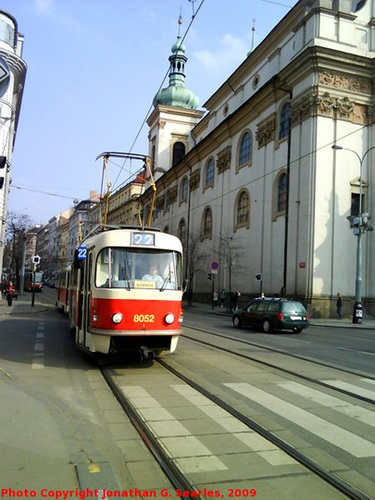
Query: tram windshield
{"points": [[140, 268]]}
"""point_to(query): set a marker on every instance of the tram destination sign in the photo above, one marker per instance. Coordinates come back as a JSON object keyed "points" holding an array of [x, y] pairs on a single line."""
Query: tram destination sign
{"points": [[144, 239], [82, 253]]}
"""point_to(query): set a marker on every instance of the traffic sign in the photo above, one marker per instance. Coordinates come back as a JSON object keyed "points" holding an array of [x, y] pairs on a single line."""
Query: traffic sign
{"points": [[36, 259], [214, 265]]}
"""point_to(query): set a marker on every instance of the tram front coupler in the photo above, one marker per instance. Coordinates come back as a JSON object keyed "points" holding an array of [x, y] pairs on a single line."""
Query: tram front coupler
{"points": [[146, 353]]}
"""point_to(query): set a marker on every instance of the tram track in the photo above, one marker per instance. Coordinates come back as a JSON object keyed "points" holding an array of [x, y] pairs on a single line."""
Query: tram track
{"points": [[181, 481], [279, 368], [337, 483], [174, 475]]}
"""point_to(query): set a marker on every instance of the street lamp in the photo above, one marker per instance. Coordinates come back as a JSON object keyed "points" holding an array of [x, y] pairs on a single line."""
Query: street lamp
{"points": [[357, 310]]}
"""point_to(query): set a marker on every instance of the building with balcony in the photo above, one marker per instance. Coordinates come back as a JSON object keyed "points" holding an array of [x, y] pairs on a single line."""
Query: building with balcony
{"points": [[12, 82]]}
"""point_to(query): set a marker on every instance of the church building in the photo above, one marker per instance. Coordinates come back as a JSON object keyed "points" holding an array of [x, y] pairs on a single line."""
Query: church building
{"points": [[270, 186]]}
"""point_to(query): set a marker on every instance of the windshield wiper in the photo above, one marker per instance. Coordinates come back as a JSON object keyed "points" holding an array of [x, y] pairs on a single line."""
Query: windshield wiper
{"points": [[125, 274], [166, 280]]}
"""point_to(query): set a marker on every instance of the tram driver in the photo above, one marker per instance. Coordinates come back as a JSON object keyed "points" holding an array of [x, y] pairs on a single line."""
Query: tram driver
{"points": [[154, 276]]}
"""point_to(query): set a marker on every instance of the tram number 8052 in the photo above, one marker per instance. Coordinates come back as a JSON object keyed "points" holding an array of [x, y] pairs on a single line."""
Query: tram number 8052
{"points": [[144, 318]]}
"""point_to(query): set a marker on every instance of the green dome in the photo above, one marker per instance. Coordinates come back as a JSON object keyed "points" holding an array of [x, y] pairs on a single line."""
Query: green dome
{"points": [[178, 47], [176, 94]]}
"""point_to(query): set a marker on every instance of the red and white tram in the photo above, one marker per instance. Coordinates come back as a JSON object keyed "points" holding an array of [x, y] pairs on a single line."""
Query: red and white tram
{"points": [[116, 302], [62, 289]]}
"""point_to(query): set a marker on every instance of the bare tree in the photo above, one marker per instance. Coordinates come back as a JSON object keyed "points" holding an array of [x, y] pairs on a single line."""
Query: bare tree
{"points": [[229, 251], [17, 226], [193, 256]]}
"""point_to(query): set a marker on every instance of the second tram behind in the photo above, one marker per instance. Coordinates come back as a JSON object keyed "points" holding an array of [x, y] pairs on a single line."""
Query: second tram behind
{"points": [[33, 281], [116, 302], [62, 288]]}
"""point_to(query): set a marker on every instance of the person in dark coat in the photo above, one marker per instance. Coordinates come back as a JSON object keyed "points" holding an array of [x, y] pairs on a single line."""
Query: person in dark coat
{"points": [[339, 306], [235, 301]]}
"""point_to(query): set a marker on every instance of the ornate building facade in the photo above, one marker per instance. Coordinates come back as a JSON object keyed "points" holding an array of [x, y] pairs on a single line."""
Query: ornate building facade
{"points": [[253, 185]]}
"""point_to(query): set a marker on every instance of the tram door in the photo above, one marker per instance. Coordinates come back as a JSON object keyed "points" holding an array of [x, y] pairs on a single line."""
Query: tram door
{"points": [[84, 287]]}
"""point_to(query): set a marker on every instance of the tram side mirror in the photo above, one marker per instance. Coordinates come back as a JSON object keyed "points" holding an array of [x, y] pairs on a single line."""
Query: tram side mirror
{"points": [[185, 285]]}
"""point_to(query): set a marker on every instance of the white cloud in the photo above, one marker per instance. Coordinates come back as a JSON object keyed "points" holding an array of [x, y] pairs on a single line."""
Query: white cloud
{"points": [[231, 51], [43, 5]]}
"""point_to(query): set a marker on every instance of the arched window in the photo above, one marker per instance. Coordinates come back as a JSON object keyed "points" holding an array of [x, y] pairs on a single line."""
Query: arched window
{"points": [[184, 187], [182, 232], [207, 223], [209, 173], [242, 209], [282, 191], [357, 5], [178, 152], [245, 151], [284, 124]]}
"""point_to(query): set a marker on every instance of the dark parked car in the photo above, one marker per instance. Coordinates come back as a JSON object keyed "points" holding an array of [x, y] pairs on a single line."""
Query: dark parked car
{"points": [[273, 314]]}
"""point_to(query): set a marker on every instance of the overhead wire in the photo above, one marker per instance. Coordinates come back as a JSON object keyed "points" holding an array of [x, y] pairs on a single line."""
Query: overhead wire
{"points": [[121, 167], [132, 175], [33, 190], [194, 15]]}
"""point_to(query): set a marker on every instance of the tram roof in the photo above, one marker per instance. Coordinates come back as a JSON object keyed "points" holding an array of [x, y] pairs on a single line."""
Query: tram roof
{"points": [[121, 236]]}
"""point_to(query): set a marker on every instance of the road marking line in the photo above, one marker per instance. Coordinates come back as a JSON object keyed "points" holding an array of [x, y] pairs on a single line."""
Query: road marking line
{"points": [[38, 355], [233, 426], [356, 350], [348, 409], [175, 438], [352, 443], [360, 391]]}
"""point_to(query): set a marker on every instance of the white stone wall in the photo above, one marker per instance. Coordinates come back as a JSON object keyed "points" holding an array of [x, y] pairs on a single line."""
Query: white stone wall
{"points": [[325, 59]]}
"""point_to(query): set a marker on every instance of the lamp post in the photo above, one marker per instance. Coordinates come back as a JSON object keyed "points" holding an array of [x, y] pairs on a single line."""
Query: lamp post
{"points": [[357, 309]]}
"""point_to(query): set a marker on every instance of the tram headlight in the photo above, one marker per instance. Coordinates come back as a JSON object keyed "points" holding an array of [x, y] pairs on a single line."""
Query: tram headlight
{"points": [[117, 318], [169, 318]]}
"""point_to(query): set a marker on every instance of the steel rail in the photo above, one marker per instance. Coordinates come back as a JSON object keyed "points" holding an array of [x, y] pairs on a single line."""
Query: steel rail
{"points": [[175, 476], [283, 370], [342, 486]]}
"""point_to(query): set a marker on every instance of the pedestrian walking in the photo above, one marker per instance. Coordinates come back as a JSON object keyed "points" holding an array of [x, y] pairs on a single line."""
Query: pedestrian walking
{"points": [[235, 296], [222, 297], [339, 306], [10, 292]]}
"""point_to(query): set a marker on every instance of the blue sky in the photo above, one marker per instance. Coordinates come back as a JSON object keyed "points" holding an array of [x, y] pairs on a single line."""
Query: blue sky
{"points": [[94, 67]]}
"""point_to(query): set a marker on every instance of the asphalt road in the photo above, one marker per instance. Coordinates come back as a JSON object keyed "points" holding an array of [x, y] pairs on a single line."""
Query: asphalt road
{"points": [[55, 413], [61, 428], [346, 348]]}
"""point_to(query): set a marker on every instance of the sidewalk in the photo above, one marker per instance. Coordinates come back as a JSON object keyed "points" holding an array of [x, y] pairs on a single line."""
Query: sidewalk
{"points": [[42, 303], [367, 323], [22, 305]]}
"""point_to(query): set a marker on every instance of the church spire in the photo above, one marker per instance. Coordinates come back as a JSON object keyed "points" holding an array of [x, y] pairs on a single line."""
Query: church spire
{"points": [[176, 94]]}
